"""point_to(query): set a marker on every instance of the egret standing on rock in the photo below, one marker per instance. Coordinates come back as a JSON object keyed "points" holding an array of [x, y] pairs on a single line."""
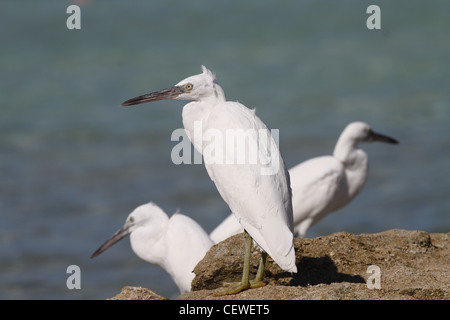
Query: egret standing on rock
{"points": [[324, 184], [176, 244], [260, 200]]}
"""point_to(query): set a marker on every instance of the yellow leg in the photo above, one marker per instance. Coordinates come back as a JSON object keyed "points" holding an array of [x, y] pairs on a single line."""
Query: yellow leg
{"points": [[257, 282], [244, 284]]}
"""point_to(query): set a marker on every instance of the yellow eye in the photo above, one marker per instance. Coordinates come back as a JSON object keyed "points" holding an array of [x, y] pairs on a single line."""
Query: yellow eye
{"points": [[131, 219], [188, 86]]}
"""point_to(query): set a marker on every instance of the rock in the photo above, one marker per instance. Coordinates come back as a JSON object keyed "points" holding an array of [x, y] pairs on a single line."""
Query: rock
{"points": [[412, 265], [137, 293]]}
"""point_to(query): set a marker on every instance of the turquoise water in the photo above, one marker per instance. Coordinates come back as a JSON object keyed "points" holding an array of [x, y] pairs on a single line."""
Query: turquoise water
{"points": [[74, 163]]}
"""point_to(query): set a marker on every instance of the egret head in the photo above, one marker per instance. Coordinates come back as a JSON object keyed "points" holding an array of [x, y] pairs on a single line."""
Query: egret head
{"points": [[148, 215], [361, 132], [199, 87]]}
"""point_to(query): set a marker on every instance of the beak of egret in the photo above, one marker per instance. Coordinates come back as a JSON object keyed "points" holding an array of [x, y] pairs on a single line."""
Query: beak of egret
{"points": [[374, 136], [119, 235], [169, 93]]}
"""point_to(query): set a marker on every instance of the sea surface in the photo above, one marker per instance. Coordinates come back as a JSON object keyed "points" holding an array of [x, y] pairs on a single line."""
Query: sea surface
{"points": [[74, 163]]}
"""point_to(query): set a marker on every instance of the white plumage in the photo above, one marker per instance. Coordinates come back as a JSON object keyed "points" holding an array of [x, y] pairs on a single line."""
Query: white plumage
{"points": [[176, 244], [259, 199], [324, 184]]}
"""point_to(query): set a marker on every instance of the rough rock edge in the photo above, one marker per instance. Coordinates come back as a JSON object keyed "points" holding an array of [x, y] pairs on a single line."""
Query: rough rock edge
{"points": [[413, 264], [137, 293]]}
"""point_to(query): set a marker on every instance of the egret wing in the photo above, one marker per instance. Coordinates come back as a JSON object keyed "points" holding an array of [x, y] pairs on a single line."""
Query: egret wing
{"points": [[187, 245], [261, 202], [319, 186]]}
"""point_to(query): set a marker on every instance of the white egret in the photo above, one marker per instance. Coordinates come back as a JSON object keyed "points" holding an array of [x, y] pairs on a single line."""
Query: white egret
{"points": [[260, 201], [176, 244], [324, 184]]}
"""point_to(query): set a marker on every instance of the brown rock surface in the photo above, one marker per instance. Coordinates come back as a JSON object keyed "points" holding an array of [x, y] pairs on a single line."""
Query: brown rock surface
{"points": [[413, 265], [137, 293]]}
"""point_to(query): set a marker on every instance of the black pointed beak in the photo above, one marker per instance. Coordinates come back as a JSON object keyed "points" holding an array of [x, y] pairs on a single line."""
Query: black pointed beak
{"points": [[119, 235], [169, 93], [382, 138]]}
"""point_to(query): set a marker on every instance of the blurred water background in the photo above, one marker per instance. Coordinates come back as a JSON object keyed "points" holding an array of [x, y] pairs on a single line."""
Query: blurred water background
{"points": [[74, 163]]}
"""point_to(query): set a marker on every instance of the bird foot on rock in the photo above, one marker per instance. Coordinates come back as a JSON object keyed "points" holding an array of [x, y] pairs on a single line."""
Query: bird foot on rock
{"points": [[233, 288], [237, 287]]}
